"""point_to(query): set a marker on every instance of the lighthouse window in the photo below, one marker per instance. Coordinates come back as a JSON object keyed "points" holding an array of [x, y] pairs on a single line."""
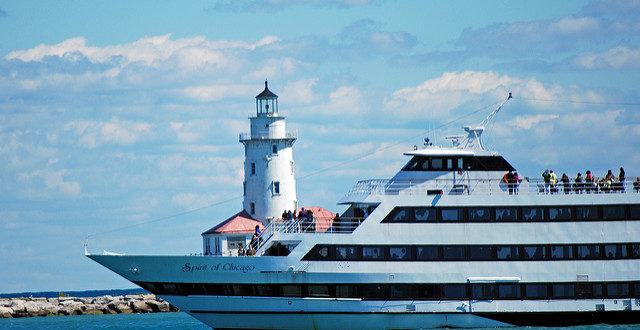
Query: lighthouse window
{"points": [[275, 149], [253, 168], [276, 188], [253, 207]]}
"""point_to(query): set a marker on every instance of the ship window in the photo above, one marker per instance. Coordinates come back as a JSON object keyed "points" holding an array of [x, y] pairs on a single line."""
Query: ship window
{"points": [[399, 253], [480, 253], [372, 252], [615, 251], [613, 212], [560, 252], [374, 291], [588, 251], [563, 290], [453, 291], [424, 164], [532, 213], [346, 253], [449, 163], [436, 163], [483, 291], [425, 214], [509, 290], [398, 291], [479, 214], [453, 252], [399, 214], [635, 250], [584, 290], [586, 213], [536, 291], [292, 291], [413, 164], [507, 252], [460, 164], [451, 214], [265, 290], [559, 213], [634, 212], [534, 252], [319, 290], [506, 214], [428, 291], [427, 252], [253, 168], [598, 290], [617, 290], [347, 291]]}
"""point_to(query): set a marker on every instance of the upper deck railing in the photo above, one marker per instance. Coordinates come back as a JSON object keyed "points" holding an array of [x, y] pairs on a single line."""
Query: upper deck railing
{"points": [[247, 136], [534, 186]]}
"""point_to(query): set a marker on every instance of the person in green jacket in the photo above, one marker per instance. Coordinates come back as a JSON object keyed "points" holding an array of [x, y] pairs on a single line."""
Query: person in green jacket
{"points": [[547, 181]]}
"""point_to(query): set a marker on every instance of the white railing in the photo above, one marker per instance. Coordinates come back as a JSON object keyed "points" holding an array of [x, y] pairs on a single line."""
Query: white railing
{"points": [[248, 136], [487, 187]]}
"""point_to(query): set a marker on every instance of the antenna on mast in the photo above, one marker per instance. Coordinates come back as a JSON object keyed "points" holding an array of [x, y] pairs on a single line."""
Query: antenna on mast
{"points": [[474, 137]]}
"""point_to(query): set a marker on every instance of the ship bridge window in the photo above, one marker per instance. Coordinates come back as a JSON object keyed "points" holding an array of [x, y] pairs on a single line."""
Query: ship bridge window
{"points": [[319, 291], [347, 291], [400, 291], [468, 163], [424, 214], [291, 290], [374, 291]]}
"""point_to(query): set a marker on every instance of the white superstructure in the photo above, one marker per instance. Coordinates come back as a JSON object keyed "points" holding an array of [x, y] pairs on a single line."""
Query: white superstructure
{"points": [[269, 182], [444, 243]]}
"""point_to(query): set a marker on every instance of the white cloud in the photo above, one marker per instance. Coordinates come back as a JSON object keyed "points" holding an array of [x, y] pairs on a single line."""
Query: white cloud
{"points": [[437, 97], [217, 92], [526, 122], [54, 181], [300, 92], [94, 133], [189, 52], [346, 100], [575, 25], [617, 58]]}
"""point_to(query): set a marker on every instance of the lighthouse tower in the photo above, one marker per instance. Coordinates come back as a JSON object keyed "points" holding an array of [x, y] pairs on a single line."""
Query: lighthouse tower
{"points": [[269, 183]]}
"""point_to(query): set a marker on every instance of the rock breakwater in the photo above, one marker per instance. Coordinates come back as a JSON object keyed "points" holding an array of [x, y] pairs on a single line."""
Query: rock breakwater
{"points": [[139, 303]]}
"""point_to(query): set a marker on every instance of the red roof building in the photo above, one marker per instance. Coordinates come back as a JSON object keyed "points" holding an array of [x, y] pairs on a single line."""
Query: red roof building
{"points": [[241, 223]]}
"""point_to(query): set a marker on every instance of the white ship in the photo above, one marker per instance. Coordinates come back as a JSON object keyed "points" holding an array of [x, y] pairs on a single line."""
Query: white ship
{"points": [[444, 243]]}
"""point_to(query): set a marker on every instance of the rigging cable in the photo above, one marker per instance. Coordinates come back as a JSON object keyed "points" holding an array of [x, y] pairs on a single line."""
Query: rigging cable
{"points": [[577, 101]]}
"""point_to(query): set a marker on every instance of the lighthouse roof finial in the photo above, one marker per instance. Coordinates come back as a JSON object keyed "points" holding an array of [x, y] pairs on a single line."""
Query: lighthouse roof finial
{"points": [[266, 93]]}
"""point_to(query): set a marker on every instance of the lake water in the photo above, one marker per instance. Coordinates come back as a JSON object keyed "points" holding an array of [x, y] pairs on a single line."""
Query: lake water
{"points": [[169, 321]]}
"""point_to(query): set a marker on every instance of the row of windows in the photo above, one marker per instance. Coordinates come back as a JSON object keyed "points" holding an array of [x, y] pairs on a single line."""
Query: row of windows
{"points": [[474, 252], [478, 291], [460, 163], [513, 214]]}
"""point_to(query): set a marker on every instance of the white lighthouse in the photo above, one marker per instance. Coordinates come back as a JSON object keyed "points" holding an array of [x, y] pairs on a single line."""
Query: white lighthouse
{"points": [[269, 183]]}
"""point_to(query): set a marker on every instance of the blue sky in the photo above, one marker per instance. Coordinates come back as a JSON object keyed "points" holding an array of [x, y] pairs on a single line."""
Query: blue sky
{"points": [[118, 113]]}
